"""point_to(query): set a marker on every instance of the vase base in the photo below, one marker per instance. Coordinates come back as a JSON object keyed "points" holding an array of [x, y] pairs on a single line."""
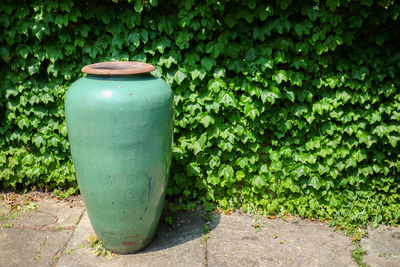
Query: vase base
{"points": [[125, 244]]}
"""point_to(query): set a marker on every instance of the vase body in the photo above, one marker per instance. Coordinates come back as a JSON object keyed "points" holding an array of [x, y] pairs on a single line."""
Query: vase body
{"points": [[120, 132]]}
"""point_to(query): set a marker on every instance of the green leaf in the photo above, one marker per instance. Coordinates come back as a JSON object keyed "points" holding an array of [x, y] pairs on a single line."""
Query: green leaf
{"points": [[199, 144], [315, 182], [265, 12], [27, 160], [216, 84], [38, 141], [283, 4], [296, 78], [23, 50], [133, 38], [179, 76], [332, 4], [259, 181], [206, 120], [23, 123], [280, 76], [367, 3], [393, 140], [226, 171], [227, 98], [139, 6], [214, 49], [4, 53], [381, 130], [360, 73], [251, 112], [214, 180], [208, 63]]}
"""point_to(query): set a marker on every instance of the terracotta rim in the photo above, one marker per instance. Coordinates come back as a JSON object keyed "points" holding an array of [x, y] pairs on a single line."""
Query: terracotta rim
{"points": [[118, 68]]}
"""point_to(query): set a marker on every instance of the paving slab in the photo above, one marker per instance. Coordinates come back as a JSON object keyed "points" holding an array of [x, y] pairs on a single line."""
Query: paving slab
{"points": [[178, 245], [275, 242], [49, 215], [27, 247], [382, 246], [4, 208]]}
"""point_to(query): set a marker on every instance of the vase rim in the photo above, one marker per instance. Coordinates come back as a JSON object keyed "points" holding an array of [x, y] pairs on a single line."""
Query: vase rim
{"points": [[118, 68]]}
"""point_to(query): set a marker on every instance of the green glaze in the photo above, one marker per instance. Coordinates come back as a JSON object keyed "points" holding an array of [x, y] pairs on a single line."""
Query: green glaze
{"points": [[120, 131]]}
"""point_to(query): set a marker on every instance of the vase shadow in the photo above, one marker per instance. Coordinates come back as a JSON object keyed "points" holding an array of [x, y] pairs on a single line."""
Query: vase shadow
{"points": [[186, 226]]}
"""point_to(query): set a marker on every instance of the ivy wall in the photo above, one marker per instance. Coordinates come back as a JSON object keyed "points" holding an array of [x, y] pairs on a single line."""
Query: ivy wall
{"points": [[286, 106]]}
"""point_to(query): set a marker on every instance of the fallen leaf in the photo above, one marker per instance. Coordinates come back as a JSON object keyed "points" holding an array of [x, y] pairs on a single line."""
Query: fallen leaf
{"points": [[91, 239], [281, 242], [275, 236], [218, 210]]}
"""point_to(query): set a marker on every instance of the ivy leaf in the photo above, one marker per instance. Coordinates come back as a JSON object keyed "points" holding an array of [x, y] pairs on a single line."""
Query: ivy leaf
{"points": [[216, 84], [226, 171], [214, 49], [208, 63], [38, 141], [393, 140], [360, 73], [381, 130], [259, 181], [206, 120], [23, 50], [332, 4], [27, 160], [23, 122], [296, 78], [227, 98], [367, 3], [139, 6], [199, 144], [179, 76], [283, 4], [315, 182], [133, 38], [280, 76], [265, 12], [251, 112], [4, 53]]}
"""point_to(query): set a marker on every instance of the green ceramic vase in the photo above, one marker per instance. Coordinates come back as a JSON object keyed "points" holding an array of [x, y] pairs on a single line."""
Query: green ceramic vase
{"points": [[120, 127]]}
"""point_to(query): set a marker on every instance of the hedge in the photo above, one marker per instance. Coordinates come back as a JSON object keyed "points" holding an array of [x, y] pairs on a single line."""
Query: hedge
{"points": [[281, 107]]}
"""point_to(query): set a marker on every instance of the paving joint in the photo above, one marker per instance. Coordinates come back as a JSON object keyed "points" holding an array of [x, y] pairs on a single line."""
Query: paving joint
{"points": [[206, 255], [38, 252], [61, 251]]}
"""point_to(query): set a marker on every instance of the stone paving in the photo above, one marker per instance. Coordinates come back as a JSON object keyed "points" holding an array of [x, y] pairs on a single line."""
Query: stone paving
{"points": [[55, 233]]}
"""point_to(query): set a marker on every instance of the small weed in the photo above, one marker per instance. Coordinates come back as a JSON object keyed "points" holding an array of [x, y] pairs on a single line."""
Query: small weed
{"points": [[6, 225], [257, 224], [60, 228], [208, 217], [98, 249], [384, 255], [205, 237], [357, 255], [30, 207], [168, 220], [206, 229], [37, 256]]}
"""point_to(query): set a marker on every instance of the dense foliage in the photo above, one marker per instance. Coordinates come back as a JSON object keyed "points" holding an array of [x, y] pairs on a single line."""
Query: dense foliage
{"points": [[280, 106]]}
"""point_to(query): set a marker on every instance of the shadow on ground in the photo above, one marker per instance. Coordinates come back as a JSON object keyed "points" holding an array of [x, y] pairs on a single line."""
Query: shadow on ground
{"points": [[186, 226]]}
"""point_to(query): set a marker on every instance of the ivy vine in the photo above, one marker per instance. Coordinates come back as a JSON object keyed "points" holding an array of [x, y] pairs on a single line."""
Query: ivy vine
{"points": [[281, 106]]}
